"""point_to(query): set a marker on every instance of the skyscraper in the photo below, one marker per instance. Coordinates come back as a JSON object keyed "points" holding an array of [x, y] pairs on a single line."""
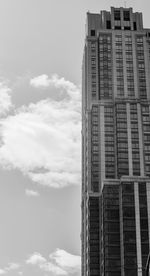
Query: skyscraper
{"points": [[115, 144]]}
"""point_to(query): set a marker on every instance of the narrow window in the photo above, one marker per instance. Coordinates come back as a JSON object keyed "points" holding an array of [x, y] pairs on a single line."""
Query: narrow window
{"points": [[108, 24], [134, 25], [92, 32]]}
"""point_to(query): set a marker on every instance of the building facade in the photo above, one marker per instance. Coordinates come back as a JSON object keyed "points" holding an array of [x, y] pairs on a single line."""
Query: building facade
{"points": [[115, 144]]}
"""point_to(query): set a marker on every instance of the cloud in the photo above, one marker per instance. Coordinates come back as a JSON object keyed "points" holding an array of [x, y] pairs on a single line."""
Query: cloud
{"points": [[13, 266], [42, 140], [36, 259], [40, 81], [60, 262], [2, 271], [43, 81], [10, 267], [70, 263], [5, 99], [31, 193], [69, 89]]}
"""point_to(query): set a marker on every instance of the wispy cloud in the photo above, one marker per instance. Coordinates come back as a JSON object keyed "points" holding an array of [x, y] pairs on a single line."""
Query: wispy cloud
{"points": [[2, 271], [43, 139], [9, 268], [60, 262], [31, 193], [5, 99]]}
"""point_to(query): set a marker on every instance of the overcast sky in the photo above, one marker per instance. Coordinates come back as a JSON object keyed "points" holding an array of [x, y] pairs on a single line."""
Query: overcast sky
{"points": [[41, 47]]}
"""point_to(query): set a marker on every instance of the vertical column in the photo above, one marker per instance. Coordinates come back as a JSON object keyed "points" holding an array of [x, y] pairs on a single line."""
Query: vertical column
{"points": [[89, 151], [140, 139], [146, 59], [124, 66], [148, 206], [135, 66], [121, 230], [89, 75], [129, 140], [114, 80], [138, 232], [102, 144]]}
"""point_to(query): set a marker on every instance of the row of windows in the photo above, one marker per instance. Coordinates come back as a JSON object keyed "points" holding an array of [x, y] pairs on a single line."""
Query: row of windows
{"points": [[105, 38], [126, 15]]}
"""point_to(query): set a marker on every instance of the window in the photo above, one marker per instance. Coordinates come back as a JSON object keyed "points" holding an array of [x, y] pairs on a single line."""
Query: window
{"points": [[146, 128], [108, 24], [92, 32], [127, 28], [140, 39], [134, 26], [145, 109], [147, 137], [128, 39], [130, 262], [117, 27], [117, 15], [147, 147], [128, 188], [129, 212], [126, 16]]}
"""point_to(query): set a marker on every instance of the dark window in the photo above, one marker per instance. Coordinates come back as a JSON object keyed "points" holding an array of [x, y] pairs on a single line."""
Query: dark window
{"points": [[117, 15], [128, 188], [134, 25], [142, 188], [127, 28], [108, 24], [145, 249], [126, 16], [128, 248], [128, 212], [129, 224], [130, 236], [144, 237], [112, 250], [92, 32], [117, 27], [143, 212], [144, 224], [130, 261]]}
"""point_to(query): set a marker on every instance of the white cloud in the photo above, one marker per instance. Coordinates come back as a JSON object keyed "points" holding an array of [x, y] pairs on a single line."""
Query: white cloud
{"points": [[2, 271], [36, 259], [43, 139], [60, 263], [31, 193], [13, 266], [43, 81], [70, 89], [70, 263], [10, 267], [5, 99], [40, 81]]}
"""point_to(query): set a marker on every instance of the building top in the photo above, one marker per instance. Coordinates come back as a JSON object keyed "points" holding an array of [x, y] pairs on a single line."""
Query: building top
{"points": [[116, 19]]}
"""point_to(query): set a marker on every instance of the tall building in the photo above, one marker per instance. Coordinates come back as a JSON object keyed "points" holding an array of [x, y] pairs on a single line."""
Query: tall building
{"points": [[115, 144]]}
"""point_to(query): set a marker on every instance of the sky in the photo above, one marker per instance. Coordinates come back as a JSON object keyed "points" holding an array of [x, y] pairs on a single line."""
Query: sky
{"points": [[41, 48]]}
